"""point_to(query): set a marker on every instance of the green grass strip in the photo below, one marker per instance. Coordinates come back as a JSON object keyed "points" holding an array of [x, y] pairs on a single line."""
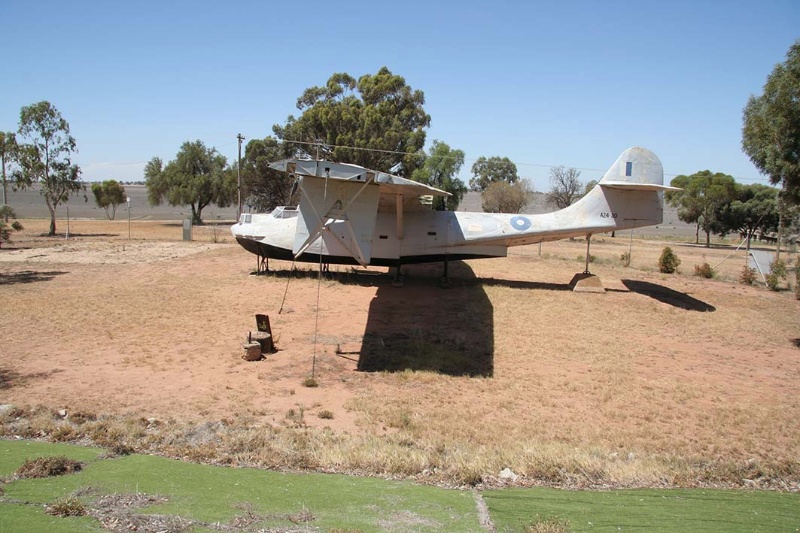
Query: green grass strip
{"points": [[694, 510], [218, 494]]}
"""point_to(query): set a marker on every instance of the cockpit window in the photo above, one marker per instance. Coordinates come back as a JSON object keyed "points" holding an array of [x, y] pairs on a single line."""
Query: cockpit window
{"points": [[284, 212], [245, 219]]}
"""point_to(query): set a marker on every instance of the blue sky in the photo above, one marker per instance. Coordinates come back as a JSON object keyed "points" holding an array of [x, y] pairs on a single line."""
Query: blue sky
{"points": [[556, 83]]}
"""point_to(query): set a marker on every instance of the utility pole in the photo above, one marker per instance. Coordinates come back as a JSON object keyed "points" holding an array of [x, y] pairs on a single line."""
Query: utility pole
{"points": [[239, 176]]}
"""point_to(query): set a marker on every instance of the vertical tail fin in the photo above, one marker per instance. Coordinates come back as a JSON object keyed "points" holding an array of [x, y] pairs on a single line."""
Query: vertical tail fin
{"points": [[636, 169]]}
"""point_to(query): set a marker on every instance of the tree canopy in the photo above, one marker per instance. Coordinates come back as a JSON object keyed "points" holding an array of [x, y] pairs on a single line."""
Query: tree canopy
{"points": [[490, 170], [503, 197], [377, 121], [565, 187], [439, 169], [771, 126], [44, 156], [264, 188], [108, 195], [701, 200], [754, 209], [196, 177]]}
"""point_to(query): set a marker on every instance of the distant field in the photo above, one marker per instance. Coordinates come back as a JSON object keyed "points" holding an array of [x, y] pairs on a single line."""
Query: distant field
{"points": [[30, 204]]}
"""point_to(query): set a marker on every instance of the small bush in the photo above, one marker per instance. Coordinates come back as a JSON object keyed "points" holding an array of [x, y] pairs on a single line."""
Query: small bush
{"points": [[625, 258], [325, 414], [777, 275], [69, 506], [704, 271], [668, 263], [582, 258], [48, 466], [773, 281], [748, 275], [548, 525], [310, 382], [65, 433]]}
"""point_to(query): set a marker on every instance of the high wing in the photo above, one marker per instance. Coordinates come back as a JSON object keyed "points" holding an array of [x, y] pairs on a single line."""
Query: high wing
{"points": [[339, 205]]}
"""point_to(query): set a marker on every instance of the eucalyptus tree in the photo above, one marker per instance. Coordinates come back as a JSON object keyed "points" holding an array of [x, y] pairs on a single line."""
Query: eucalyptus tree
{"points": [[440, 169], [700, 201], [8, 154], [771, 131], [377, 121], [264, 188], [486, 171], [755, 209], [45, 148], [771, 126], [196, 177], [108, 195]]}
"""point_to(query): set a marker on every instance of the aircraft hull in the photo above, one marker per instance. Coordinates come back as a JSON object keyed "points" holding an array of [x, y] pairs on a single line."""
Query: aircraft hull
{"points": [[263, 249]]}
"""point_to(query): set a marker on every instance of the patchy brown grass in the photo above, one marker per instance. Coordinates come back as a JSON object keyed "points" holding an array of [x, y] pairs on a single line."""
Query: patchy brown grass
{"points": [[664, 380]]}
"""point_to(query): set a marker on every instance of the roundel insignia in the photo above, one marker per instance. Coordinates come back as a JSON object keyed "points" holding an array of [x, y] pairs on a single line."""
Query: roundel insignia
{"points": [[520, 223]]}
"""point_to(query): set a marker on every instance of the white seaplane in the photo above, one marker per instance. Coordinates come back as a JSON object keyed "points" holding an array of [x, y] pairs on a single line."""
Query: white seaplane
{"points": [[352, 215]]}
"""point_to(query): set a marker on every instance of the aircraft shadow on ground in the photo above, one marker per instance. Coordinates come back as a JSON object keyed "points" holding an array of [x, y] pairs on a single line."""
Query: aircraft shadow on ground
{"points": [[668, 296], [349, 277], [28, 276], [422, 326], [528, 285]]}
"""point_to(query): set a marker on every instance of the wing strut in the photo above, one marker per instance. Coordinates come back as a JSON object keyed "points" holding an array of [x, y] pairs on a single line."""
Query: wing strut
{"points": [[336, 212]]}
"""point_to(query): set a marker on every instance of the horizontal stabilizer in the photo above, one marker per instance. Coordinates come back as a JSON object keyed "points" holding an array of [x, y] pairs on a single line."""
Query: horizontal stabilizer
{"points": [[629, 186]]}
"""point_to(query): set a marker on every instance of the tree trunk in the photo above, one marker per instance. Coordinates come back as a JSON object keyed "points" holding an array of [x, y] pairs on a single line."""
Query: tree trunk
{"points": [[708, 238], [52, 209], [697, 233], [747, 252], [780, 228], [5, 189], [196, 220]]}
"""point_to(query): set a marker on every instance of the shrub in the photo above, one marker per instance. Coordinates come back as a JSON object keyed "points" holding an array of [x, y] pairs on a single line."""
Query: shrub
{"points": [[778, 274], [549, 525], [704, 271], [7, 227], [310, 382], [325, 414], [779, 268], [69, 506], [748, 275], [48, 466], [625, 258], [668, 262], [797, 282]]}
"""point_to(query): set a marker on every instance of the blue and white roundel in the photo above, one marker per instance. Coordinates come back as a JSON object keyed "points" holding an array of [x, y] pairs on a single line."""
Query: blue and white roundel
{"points": [[520, 223]]}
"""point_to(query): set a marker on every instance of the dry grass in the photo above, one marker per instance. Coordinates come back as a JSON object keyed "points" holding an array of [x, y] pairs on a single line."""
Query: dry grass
{"points": [[47, 467], [664, 380]]}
